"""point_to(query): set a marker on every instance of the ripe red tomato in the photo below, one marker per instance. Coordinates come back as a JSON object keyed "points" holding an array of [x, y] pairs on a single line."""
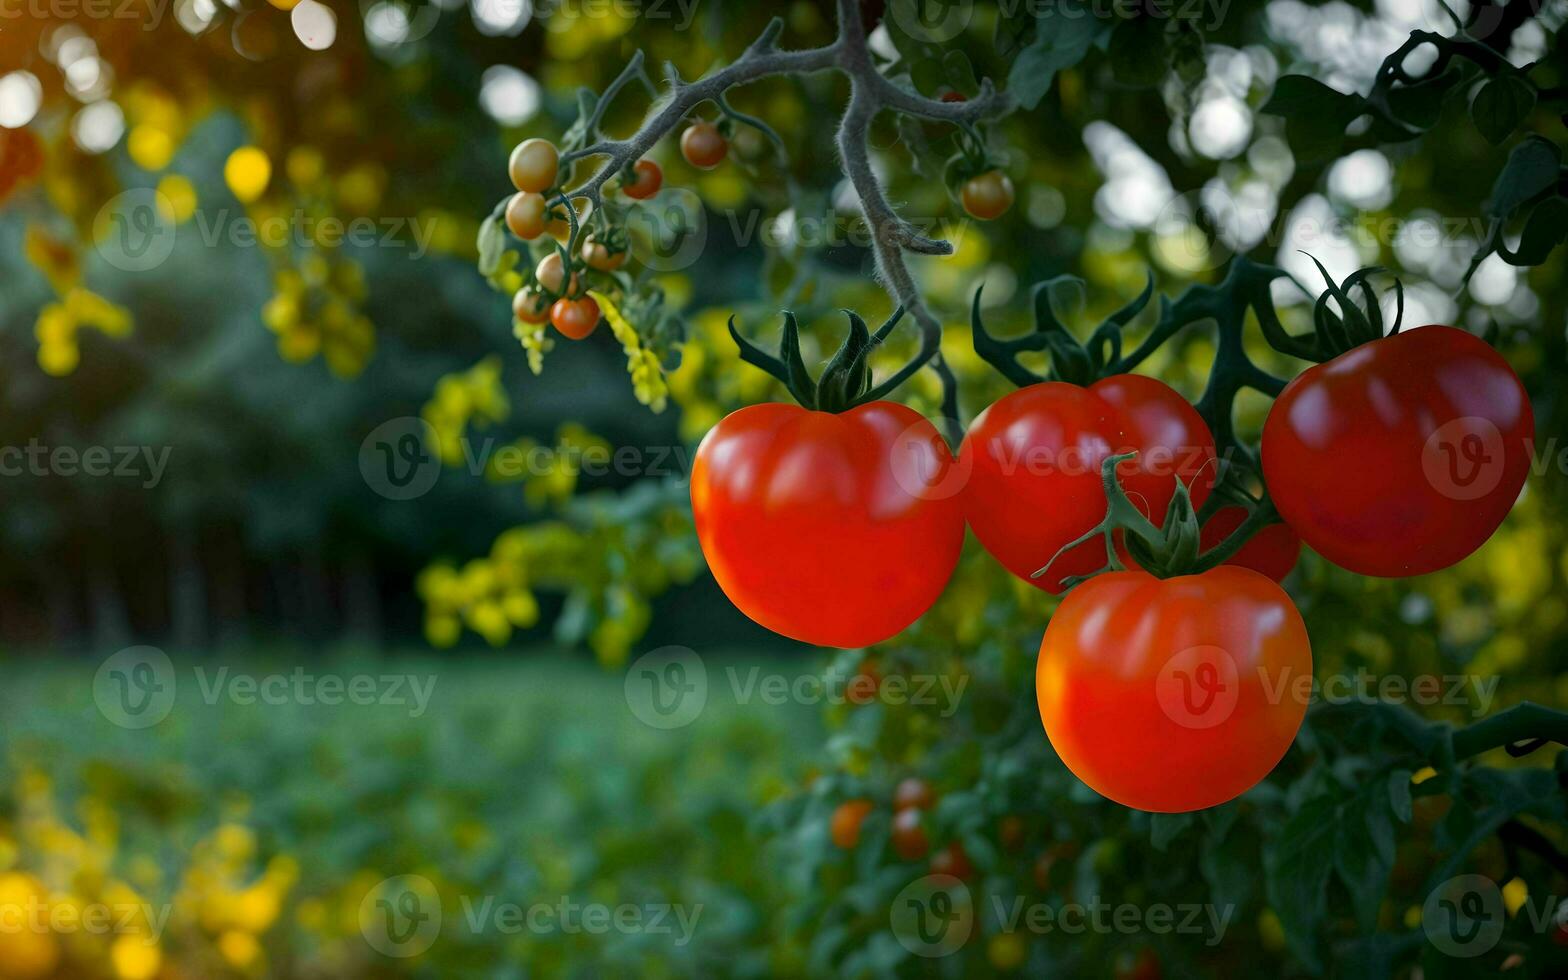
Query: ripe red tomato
{"points": [[1403, 455], [909, 835], [1174, 694], [845, 825], [1273, 551], [1033, 466], [575, 318], [913, 793], [830, 529], [703, 146], [648, 179]]}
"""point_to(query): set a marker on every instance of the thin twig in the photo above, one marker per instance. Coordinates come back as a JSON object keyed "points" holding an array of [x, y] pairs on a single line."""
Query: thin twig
{"points": [[871, 92]]}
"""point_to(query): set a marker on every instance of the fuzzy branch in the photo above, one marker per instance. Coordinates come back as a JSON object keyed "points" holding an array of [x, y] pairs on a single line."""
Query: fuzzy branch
{"points": [[871, 92]]}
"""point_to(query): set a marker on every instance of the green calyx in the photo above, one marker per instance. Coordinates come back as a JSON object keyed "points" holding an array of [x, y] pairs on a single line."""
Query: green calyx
{"points": [[1353, 324], [1163, 551], [1072, 360], [1167, 551], [846, 380]]}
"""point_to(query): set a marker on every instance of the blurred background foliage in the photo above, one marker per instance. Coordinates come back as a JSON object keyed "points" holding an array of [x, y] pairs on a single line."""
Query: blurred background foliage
{"points": [[260, 368]]}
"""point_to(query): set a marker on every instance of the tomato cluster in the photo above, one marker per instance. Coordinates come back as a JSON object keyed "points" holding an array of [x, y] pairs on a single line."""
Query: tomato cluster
{"points": [[912, 799], [556, 292], [1397, 457]]}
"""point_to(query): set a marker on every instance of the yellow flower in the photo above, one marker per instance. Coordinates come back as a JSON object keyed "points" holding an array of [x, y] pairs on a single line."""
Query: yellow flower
{"points": [[247, 171], [135, 958]]}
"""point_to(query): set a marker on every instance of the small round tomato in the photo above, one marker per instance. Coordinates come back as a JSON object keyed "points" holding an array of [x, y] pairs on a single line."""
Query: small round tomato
{"points": [[530, 305], [648, 178], [951, 860], [832, 529], [845, 825], [534, 165], [552, 276], [913, 793], [1177, 694], [988, 195], [909, 835], [597, 256], [1273, 551], [1400, 456], [527, 215], [703, 146], [1033, 465], [953, 95], [575, 318]]}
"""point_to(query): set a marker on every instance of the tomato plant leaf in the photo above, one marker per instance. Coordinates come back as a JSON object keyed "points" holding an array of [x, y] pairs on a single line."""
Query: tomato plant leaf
{"points": [[1532, 168], [1544, 230], [1166, 827], [1061, 41], [1315, 114], [1297, 875], [1500, 105]]}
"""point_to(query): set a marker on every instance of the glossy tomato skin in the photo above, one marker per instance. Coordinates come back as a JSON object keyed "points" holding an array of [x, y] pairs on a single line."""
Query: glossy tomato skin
{"points": [[1176, 694], [1273, 551], [1400, 456], [833, 529], [1033, 459]]}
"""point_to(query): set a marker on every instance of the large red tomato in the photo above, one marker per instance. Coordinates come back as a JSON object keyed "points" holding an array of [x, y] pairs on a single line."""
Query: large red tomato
{"points": [[1273, 551], [834, 529], [1403, 455], [1174, 694], [1033, 465]]}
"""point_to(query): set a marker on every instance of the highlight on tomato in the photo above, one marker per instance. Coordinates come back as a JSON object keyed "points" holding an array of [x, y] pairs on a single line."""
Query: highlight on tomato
{"points": [[829, 521], [1032, 462], [1402, 455], [1177, 694]]}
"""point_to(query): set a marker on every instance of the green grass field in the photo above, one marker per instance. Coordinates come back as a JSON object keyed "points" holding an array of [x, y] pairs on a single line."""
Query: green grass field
{"points": [[257, 818]]}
